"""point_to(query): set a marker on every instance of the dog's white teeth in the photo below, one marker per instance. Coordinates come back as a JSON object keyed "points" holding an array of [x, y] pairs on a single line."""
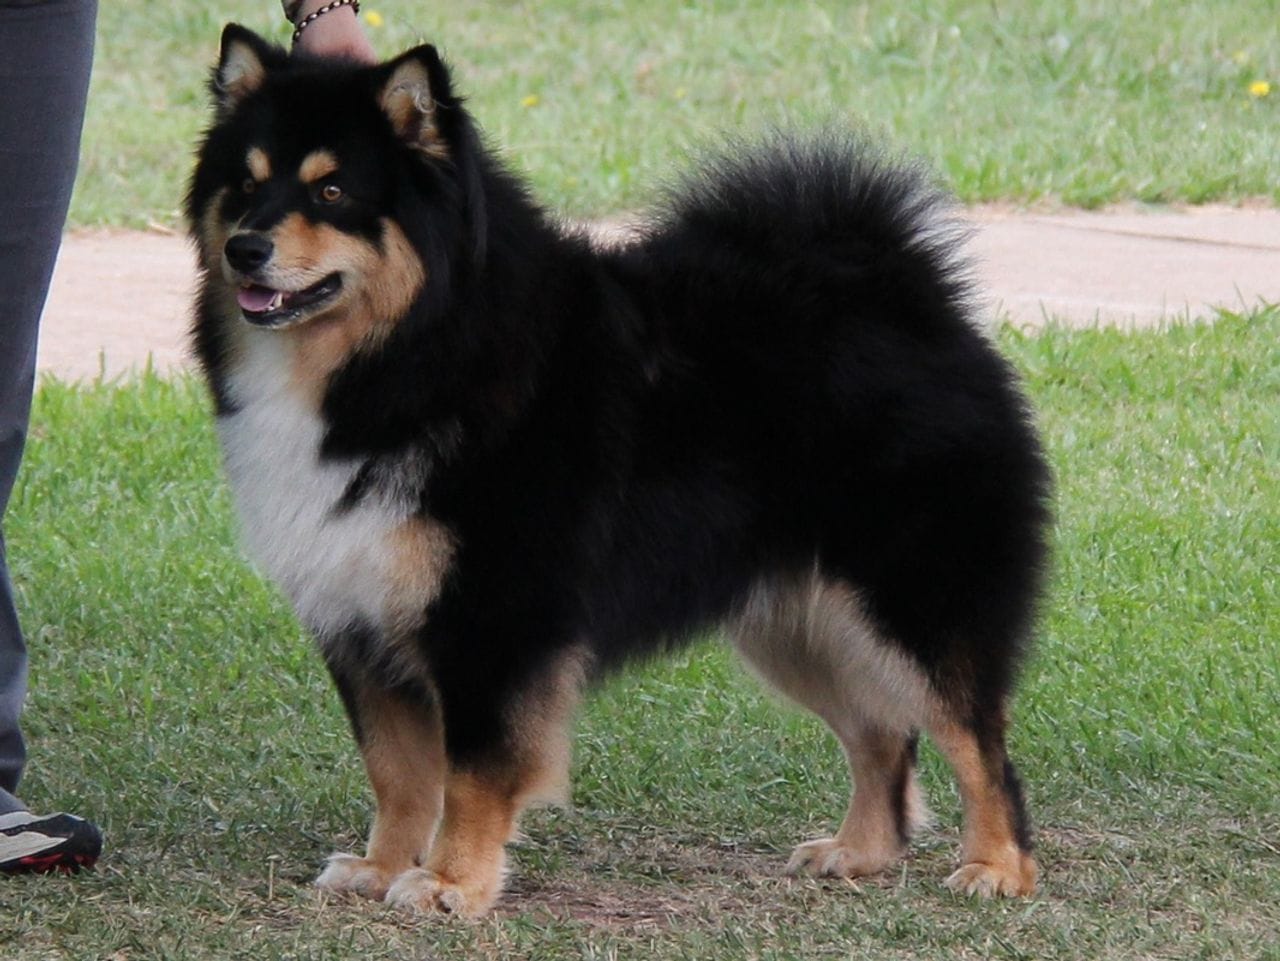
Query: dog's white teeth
{"points": [[277, 301]]}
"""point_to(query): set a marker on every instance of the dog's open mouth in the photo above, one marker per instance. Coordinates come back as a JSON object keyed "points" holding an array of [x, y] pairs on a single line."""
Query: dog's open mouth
{"points": [[268, 307]]}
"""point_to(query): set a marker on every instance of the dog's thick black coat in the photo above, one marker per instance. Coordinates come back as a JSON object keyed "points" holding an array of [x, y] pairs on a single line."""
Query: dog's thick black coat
{"points": [[774, 386]]}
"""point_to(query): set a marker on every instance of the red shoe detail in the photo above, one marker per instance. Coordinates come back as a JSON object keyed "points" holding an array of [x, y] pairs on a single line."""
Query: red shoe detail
{"points": [[49, 863]]}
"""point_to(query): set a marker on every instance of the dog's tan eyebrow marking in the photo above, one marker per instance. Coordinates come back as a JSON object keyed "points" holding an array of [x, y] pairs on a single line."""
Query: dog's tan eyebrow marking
{"points": [[316, 166], [259, 164]]}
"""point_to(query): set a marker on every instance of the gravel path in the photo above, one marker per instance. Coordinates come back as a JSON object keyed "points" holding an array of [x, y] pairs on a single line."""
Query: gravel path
{"points": [[121, 298]]}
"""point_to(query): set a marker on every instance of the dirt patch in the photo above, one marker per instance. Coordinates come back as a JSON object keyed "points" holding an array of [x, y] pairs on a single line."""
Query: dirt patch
{"points": [[671, 885], [665, 885]]}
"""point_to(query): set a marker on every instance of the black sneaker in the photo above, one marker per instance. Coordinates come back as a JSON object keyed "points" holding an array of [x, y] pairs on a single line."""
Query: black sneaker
{"points": [[58, 842]]}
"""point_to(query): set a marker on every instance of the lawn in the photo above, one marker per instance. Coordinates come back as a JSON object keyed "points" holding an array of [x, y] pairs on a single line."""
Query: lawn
{"points": [[1085, 102], [176, 700]]}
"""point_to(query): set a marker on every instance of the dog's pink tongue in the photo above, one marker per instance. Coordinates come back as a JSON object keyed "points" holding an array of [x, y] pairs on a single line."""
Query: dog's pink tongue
{"points": [[255, 299]]}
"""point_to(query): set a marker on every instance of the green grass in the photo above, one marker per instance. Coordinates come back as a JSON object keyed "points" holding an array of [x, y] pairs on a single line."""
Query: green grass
{"points": [[175, 699], [1085, 102]]}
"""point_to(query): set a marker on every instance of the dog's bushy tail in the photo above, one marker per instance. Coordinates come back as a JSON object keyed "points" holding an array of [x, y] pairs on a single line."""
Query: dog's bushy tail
{"points": [[825, 216]]}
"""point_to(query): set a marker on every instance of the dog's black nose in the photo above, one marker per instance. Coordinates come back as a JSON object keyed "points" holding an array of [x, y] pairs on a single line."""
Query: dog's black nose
{"points": [[247, 252]]}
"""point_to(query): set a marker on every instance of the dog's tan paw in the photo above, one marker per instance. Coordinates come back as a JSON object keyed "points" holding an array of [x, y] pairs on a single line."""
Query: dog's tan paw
{"points": [[1012, 877], [425, 892], [348, 874], [830, 858]]}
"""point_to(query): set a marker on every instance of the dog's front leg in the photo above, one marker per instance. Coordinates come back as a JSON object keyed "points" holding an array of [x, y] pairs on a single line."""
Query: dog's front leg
{"points": [[402, 742], [487, 790], [465, 870]]}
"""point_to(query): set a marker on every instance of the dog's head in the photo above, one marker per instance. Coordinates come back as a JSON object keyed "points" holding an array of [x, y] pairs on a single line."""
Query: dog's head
{"points": [[329, 191]]}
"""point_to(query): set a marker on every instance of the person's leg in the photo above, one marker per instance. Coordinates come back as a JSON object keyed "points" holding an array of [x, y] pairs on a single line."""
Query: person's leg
{"points": [[46, 47]]}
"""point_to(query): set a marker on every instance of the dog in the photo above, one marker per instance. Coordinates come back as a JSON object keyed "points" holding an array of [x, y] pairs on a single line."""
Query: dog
{"points": [[489, 459]]}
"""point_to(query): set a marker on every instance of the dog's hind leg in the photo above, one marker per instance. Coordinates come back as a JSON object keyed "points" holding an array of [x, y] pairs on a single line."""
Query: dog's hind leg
{"points": [[809, 638], [996, 846], [884, 809], [402, 743]]}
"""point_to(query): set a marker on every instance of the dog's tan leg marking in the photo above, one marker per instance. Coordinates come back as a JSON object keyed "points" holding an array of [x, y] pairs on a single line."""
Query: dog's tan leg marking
{"points": [[403, 747], [883, 809], [810, 638], [482, 805], [468, 862], [993, 861]]}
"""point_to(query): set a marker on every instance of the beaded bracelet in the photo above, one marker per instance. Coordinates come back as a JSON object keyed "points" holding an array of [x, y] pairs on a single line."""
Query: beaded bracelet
{"points": [[319, 12]]}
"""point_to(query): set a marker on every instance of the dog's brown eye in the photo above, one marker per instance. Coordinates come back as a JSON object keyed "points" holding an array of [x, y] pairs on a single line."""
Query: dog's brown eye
{"points": [[249, 185], [331, 193]]}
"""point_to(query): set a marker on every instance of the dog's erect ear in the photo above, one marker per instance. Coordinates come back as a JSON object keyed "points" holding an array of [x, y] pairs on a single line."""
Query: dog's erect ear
{"points": [[415, 89], [242, 66]]}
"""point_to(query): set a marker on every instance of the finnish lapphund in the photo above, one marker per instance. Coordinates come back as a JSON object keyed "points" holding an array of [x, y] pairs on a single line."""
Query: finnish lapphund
{"points": [[488, 457]]}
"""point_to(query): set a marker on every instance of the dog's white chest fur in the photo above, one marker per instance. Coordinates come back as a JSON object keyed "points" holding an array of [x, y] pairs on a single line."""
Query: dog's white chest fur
{"points": [[338, 567]]}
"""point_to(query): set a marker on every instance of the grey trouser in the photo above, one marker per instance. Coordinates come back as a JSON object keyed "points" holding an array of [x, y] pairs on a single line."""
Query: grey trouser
{"points": [[46, 47]]}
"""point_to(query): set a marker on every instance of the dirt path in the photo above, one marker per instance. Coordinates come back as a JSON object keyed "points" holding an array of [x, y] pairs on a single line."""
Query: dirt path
{"points": [[119, 298]]}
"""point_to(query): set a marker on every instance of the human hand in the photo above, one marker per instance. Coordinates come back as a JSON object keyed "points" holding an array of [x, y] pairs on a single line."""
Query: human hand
{"points": [[336, 33]]}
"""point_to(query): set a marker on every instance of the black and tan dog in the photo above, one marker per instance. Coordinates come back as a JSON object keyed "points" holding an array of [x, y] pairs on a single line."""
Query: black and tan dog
{"points": [[487, 461]]}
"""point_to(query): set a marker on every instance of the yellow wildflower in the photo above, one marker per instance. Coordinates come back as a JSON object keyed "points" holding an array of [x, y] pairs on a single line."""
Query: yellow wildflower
{"points": [[373, 18], [1259, 88], [530, 101]]}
